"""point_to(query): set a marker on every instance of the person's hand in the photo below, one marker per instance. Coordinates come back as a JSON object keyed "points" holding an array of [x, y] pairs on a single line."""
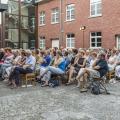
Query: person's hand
{"points": [[24, 66]]}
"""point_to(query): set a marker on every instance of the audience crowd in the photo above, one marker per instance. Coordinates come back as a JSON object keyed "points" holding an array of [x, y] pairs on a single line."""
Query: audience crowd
{"points": [[78, 64]]}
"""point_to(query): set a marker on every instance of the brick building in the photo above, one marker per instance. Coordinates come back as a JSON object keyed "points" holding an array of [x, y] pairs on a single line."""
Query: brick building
{"points": [[0, 37], [79, 23]]}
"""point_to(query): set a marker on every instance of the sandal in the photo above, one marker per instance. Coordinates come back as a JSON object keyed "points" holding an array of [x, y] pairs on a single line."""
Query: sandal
{"points": [[44, 85], [14, 87], [9, 84], [69, 83]]}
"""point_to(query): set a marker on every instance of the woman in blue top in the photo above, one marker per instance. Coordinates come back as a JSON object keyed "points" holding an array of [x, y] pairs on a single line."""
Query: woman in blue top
{"points": [[58, 68]]}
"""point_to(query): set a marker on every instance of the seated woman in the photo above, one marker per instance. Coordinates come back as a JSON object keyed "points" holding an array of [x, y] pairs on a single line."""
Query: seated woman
{"points": [[45, 62], [39, 60], [117, 68], [57, 68], [17, 58], [7, 60], [16, 63], [79, 62], [112, 60]]}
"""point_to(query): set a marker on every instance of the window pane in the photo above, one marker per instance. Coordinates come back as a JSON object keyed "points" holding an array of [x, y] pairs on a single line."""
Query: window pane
{"points": [[93, 40], [98, 44], [93, 9], [98, 39], [68, 43], [93, 34], [73, 44], [68, 36], [98, 33], [72, 35], [99, 8], [93, 44]]}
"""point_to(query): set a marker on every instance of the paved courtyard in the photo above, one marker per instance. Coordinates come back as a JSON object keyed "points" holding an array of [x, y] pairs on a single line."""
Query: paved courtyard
{"points": [[61, 103]]}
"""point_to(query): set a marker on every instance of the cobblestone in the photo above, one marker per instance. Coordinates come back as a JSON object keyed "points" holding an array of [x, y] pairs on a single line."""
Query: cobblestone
{"points": [[61, 103]]}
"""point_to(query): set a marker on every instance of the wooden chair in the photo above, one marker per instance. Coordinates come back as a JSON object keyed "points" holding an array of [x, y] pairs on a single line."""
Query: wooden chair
{"points": [[29, 77], [110, 74]]}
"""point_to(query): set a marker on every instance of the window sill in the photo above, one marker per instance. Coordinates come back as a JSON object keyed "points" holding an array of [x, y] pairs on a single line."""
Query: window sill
{"points": [[95, 47], [70, 47], [55, 23], [70, 20], [95, 16], [41, 25]]}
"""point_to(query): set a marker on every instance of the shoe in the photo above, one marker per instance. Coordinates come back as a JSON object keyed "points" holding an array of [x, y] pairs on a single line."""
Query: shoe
{"points": [[69, 83], [44, 85], [13, 87], [83, 90]]}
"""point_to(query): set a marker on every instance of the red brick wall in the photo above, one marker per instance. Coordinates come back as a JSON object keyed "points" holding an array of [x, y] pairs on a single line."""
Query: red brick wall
{"points": [[108, 23]]}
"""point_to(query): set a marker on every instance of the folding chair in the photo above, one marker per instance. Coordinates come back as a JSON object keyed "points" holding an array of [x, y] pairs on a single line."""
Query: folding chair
{"points": [[100, 82]]}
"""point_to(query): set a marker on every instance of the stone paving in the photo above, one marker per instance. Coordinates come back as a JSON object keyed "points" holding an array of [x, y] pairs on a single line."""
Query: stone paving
{"points": [[61, 103]]}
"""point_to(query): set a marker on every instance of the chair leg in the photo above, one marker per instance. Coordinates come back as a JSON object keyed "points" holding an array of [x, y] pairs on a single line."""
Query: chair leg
{"points": [[26, 83], [33, 81], [104, 88]]}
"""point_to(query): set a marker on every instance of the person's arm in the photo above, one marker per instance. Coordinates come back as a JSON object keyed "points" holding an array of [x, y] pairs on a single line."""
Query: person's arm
{"points": [[94, 64], [84, 63], [29, 63], [96, 67], [57, 62]]}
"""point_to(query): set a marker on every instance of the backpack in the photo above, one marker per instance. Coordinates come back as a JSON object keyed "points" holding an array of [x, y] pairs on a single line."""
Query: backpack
{"points": [[95, 88], [53, 83]]}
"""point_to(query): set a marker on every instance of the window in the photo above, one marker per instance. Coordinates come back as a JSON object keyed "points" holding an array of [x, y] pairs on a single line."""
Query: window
{"points": [[70, 12], [42, 18], [55, 16], [42, 42], [96, 39], [95, 8], [118, 42], [70, 41]]}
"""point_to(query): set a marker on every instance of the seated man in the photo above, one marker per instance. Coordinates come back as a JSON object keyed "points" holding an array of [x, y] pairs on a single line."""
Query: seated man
{"points": [[99, 69], [27, 68], [57, 68]]}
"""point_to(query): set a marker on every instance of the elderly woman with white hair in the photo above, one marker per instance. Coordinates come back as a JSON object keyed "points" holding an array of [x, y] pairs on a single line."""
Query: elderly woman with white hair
{"points": [[28, 67]]}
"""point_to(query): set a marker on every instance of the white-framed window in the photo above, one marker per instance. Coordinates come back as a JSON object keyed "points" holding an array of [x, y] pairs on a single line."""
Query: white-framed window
{"points": [[55, 15], [118, 42], [70, 40], [70, 12], [42, 42], [95, 8], [42, 18], [95, 39]]}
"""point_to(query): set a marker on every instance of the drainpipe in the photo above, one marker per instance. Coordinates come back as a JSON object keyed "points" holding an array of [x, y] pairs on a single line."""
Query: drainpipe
{"points": [[19, 30], [36, 27], [3, 28], [61, 24]]}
